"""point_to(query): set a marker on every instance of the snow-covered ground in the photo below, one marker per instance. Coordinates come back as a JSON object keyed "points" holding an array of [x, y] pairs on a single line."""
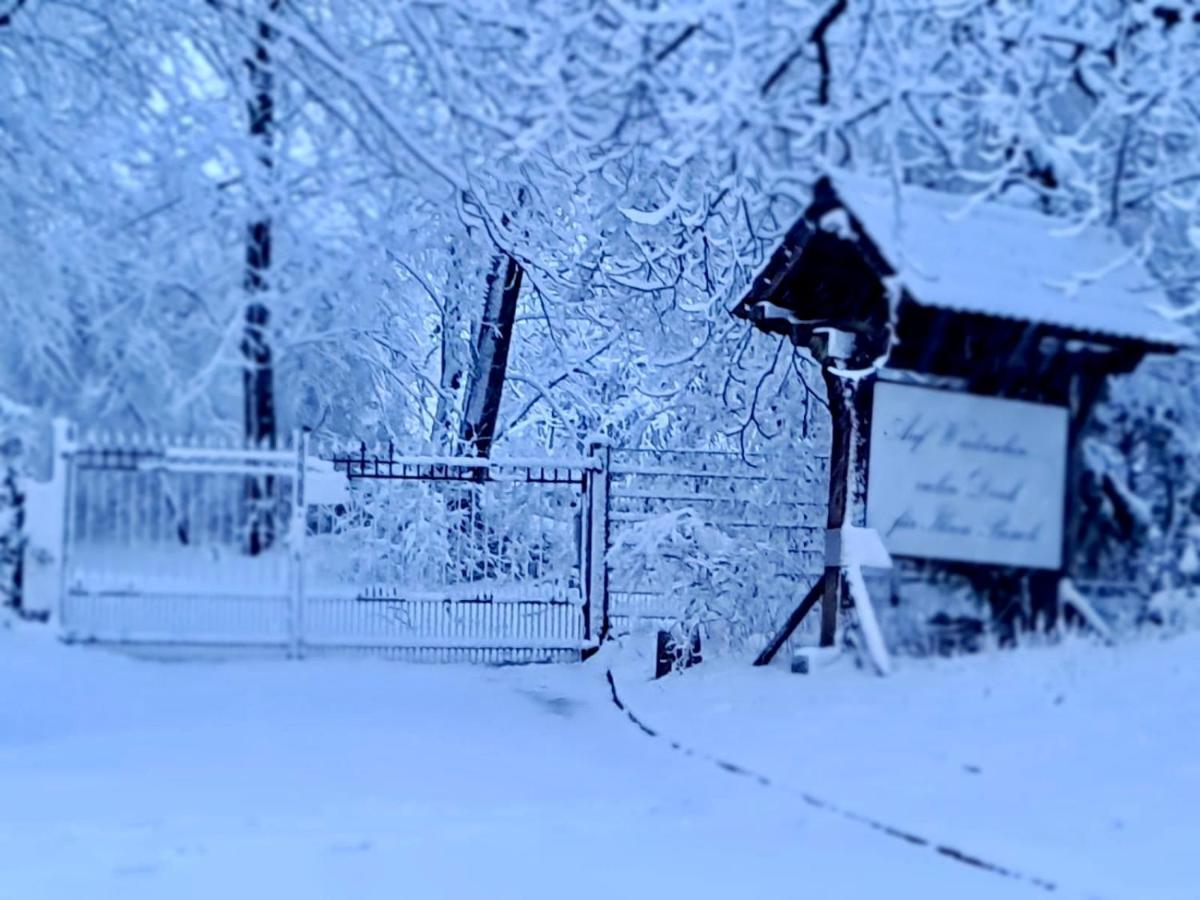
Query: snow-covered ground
{"points": [[329, 779], [1075, 763]]}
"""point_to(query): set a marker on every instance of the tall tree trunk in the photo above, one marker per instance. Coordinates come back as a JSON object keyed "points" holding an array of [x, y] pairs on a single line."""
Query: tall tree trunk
{"points": [[481, 409], [12, 535], [258, 380], [258, 376], [485, 388]]}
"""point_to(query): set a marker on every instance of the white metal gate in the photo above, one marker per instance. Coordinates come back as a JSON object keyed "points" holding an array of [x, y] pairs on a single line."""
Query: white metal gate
{"points": [[429, 558], [458, 558], [168, 543]]}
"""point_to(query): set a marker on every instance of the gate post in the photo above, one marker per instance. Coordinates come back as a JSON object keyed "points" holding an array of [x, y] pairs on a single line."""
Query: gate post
{"points": [[850, 393], [596, 487], [296, 531], [47, 524]]}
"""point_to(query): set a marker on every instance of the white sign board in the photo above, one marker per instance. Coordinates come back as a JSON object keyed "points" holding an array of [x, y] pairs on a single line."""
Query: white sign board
{"points": [[961, 477]]}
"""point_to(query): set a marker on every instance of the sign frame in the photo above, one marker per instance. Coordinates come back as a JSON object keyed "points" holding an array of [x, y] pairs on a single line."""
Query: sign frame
{"points": [[952, 538]]}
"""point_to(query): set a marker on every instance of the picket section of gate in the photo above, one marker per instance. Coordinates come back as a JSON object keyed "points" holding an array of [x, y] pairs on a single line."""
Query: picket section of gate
{"points": [[170, 543], [181, 542]]}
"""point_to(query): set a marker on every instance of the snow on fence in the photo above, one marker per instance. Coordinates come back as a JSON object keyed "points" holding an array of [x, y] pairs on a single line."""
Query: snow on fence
{"points": [[168, 542], [457, 553], [715, 541]]}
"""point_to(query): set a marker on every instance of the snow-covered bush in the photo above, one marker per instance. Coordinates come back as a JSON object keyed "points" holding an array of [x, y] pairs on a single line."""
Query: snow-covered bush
{"points": [[447, 536], [931, 612], [1176, 609], [1141, 518], [735, 591]]}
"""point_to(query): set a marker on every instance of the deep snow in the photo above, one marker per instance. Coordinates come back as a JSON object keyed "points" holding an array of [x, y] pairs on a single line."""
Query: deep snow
{"points": [[1076, 762], [141, 779]]}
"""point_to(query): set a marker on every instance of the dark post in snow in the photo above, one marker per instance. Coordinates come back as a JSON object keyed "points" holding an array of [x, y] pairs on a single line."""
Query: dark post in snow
{"points": [[258, 378], [849, 377], [849, 393]]}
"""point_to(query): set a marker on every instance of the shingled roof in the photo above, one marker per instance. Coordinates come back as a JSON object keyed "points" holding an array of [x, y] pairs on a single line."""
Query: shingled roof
{"points": [[987, 258]]}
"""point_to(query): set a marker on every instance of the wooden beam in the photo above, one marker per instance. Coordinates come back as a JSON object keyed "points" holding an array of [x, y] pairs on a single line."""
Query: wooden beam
{"points": [[793, 622], [850, 400]]}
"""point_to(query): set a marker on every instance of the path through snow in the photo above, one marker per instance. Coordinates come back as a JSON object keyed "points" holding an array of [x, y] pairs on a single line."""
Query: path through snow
{"points": [[1077, 763], [132, 779]]}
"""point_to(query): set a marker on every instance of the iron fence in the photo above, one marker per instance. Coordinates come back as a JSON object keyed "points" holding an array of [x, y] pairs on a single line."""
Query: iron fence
{"points": [[768, 519], [204, 544]]}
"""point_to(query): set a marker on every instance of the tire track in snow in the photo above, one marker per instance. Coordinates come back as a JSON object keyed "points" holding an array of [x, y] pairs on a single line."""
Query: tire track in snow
{"points": [[909, 837]]}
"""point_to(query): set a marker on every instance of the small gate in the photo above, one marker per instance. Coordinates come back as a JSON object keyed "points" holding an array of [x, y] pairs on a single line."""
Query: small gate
{"points": [[448, 558]]}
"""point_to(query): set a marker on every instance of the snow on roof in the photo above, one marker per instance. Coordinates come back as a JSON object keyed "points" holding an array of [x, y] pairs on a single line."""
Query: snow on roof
{"points": [[1012, 263]]}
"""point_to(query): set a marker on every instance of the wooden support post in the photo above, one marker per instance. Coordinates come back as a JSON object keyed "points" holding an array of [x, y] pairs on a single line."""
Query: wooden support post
{"points": [[48, 525], [1069, 595], [850, 393], [296, 533], [595, 545], [815, 593]]}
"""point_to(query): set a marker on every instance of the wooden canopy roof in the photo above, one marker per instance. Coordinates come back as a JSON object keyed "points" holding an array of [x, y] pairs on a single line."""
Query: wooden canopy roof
{"points": [[936, 282]]}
